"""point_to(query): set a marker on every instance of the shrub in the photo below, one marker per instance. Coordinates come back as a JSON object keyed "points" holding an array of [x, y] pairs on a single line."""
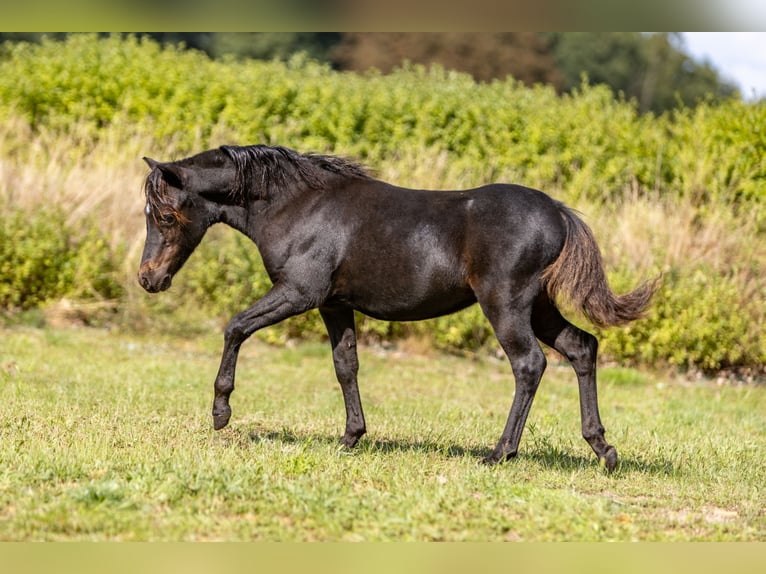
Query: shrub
{"points": [[42, 258], [421, 127], [35, 259], [701, 318]]}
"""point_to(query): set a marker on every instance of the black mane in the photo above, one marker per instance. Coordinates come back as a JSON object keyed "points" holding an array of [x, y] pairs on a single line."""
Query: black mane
{"points": [[267, 171]]}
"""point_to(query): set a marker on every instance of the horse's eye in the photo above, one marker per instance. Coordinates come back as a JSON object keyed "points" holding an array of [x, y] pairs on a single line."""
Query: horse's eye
{"points": [[167, 219]]}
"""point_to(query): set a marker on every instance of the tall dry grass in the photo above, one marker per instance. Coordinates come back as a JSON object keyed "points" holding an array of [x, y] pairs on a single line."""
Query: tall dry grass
{"points": [[101, 181]]}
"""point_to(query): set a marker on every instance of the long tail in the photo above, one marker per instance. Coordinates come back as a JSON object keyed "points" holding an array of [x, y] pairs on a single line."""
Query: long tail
{"points": [[578, 274]]}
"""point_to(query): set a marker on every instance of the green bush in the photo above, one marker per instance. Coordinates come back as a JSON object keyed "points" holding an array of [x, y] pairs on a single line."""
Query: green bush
{"points": [[42, 258], [34, 259], [700, 318], [588, 144], [718, 156], [589, 148]]}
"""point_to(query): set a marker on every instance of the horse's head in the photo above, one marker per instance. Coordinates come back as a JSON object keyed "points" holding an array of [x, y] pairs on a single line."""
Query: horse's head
{"points": [[180, 207]]}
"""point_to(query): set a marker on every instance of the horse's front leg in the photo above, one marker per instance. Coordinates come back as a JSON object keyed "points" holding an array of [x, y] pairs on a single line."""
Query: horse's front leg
{"points": [[277, 304]]}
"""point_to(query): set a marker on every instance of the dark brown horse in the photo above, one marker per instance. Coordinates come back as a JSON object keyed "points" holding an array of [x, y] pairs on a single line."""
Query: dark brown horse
{"points": [[334, 238]]}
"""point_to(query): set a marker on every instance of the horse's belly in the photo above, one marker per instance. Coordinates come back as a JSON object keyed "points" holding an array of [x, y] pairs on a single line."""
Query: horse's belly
{"points": [[416, 314], [395, 305]]}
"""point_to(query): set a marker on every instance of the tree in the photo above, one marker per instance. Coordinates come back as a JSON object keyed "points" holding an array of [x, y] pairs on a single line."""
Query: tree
{"points": [[672, 76], [524, 55], [269, 45], [653, 69], [611, 58]]}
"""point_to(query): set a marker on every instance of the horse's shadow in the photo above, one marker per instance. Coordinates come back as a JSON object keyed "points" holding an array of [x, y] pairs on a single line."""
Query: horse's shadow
{"points": [[546, 456], [367, 444]]}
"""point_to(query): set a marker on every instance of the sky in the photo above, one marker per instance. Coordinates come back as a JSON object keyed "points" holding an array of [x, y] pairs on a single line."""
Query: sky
{"points": [[739, 57]]}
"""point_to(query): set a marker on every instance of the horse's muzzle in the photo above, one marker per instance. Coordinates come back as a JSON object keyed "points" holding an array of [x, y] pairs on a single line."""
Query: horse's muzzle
{"points": [[154, 283]]}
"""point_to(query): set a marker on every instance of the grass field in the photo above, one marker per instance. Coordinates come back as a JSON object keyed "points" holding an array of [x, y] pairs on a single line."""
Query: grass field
{"points": [[108, 436]]}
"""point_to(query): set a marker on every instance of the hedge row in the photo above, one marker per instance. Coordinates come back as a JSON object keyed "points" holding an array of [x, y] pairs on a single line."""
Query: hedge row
{"points": [[588, 143], [43, 257], [589, 147]]}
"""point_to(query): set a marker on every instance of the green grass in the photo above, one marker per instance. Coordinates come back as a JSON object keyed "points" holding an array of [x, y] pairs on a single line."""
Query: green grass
{"points": [[108, 436]]}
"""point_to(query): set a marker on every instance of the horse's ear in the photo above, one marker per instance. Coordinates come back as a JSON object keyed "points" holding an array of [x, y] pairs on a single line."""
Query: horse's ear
{"points": [[173, 174], [151, 162], [193, 179]]}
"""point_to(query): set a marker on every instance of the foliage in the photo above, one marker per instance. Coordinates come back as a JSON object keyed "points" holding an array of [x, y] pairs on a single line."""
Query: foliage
{"points": [[419, 126], [653, 69], [699, 320], [533, 134], [42, 258], [271, 45], [485, 56], [720, 156]]}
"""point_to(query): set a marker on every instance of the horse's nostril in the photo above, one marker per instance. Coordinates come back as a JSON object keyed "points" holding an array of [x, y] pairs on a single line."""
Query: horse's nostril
{"points": [[165, 283]]}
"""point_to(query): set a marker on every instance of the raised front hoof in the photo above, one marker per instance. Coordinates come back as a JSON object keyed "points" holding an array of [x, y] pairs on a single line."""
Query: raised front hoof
{"points": [[608, 460], [221, 419]]}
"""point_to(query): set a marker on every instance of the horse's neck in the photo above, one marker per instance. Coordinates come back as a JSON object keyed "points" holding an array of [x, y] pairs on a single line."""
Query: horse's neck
{"points": [[235, 217], [247, 220]]}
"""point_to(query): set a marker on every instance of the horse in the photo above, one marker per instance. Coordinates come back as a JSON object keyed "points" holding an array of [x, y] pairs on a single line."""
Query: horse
{"points": [[335, 238]]}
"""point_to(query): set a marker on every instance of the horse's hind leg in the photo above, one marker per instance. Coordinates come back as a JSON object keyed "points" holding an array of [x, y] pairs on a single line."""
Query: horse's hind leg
{"points": [[510, 318], [580, 348], [342, 331]]}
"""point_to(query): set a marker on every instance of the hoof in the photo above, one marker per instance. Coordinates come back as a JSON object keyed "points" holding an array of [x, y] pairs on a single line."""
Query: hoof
{"points": [[608, 461], [497, 457], [221, 419], [349, 441]]}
